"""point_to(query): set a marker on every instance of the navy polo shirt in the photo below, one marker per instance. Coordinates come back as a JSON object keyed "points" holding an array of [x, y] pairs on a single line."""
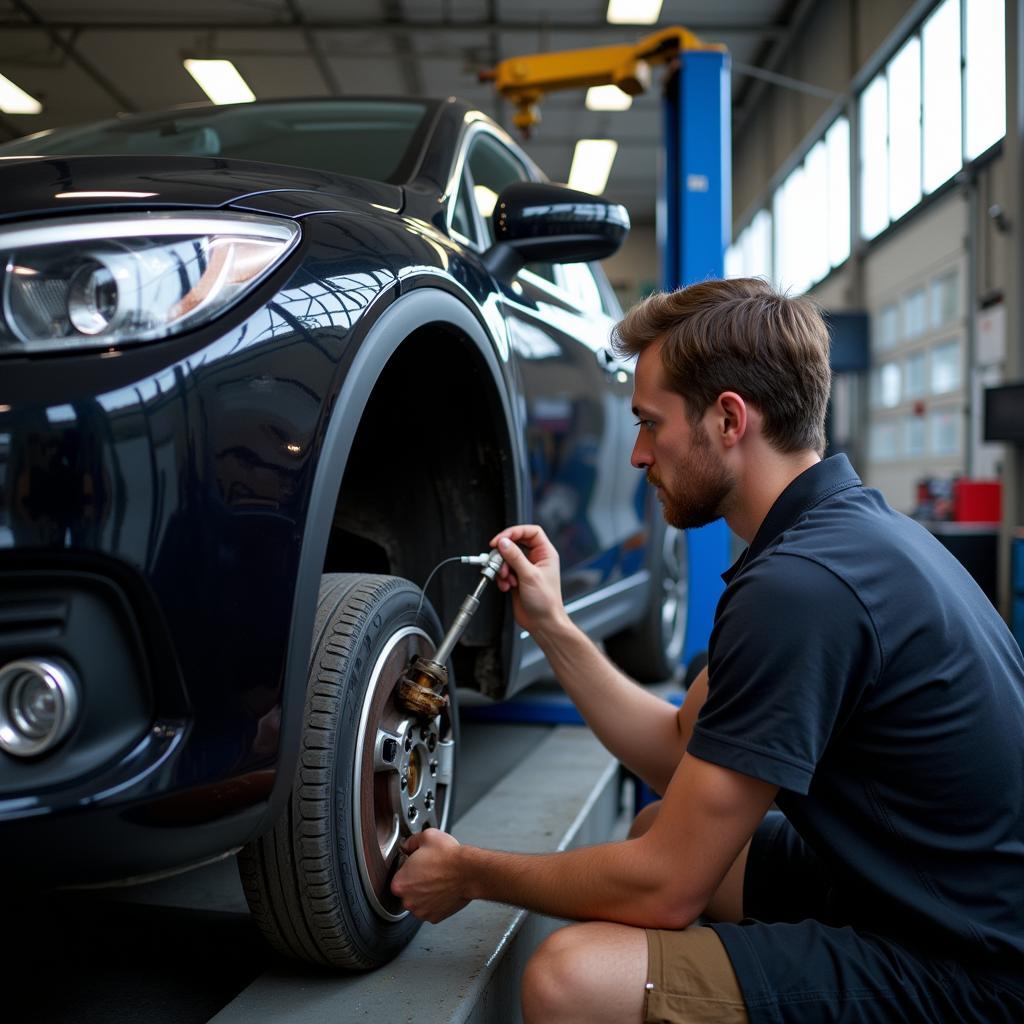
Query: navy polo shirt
{"points": [[857, 665]]}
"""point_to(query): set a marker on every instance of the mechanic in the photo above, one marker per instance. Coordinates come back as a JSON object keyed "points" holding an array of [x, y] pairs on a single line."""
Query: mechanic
{"points": [[857, 678]]}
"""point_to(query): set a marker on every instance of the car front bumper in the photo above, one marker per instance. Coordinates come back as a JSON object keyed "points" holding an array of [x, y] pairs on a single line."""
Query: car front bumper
{"points": [[152, 502]]}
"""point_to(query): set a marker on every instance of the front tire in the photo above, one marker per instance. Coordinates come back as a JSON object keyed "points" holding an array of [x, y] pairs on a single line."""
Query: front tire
{"points": [[368, 776]]}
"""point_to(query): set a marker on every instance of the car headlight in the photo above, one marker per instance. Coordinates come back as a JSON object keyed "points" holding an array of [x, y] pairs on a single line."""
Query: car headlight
{"points": [[101, 281]]}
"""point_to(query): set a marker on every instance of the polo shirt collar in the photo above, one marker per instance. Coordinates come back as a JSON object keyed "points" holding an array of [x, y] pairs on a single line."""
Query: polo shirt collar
{"points": [[811, 487]]}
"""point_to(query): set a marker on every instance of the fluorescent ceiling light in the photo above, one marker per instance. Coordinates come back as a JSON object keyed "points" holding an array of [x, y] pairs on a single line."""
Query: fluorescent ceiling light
{"points": [[591, 164], [608, 97], [633, 12], [104, 195], [16, 101], [220, 80]]}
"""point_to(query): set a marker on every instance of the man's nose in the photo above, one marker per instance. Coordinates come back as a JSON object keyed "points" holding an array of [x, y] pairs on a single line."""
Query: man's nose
{"points": [[641, 457]]}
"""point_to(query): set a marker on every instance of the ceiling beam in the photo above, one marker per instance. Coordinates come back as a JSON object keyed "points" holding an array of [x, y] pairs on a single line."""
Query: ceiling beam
{"points": [[315, 49], [38, 24], [404, 50], [747, 100], [708, 28]]}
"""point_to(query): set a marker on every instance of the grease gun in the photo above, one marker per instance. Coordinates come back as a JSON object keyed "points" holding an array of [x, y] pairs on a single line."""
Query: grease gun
{"points": [[421, 688]]}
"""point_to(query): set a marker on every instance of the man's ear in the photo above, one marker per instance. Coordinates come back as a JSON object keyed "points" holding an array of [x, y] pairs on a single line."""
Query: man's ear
{"points": [[734, 418]]}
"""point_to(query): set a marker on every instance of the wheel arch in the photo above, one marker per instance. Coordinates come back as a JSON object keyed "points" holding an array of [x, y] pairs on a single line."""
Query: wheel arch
{"points": [[422, 312]]}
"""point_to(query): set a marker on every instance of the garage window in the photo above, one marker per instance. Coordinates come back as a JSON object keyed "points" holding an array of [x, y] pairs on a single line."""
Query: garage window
{"points": [[887, 332], [751, 254], [885, 441], [945, 432], [914, 436], [945, 299], [916, 375], [915, 314], [984, 75], [905, 129], [941, 134], [874, 161], [946, 368]]}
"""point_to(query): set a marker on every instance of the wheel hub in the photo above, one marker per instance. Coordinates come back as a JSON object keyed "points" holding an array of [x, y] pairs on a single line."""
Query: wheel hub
{"points": [[415, 778]]}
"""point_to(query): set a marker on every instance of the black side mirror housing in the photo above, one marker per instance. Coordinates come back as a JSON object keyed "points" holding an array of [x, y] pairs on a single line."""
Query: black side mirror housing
{"points": [[536, 222]]}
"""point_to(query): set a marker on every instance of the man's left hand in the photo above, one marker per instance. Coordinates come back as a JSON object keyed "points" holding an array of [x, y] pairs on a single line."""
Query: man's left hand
{"points": [[429, 883]]}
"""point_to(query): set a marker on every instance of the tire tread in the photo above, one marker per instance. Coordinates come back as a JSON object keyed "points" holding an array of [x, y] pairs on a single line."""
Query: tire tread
{"points": [[287, 873]]}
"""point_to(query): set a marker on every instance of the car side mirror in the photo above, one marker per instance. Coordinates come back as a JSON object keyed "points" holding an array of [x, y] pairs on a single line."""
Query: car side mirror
{"points": [[536, 222]]}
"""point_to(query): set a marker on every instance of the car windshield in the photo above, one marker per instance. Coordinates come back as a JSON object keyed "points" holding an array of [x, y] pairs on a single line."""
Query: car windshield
{"points": [[373, 139]]}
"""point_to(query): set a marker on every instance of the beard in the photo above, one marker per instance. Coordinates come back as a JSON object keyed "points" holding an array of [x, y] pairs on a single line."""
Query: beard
{"points": [[700, 493]]}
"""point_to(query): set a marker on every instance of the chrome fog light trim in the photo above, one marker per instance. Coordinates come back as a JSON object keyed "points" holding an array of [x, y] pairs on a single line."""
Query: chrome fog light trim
{"points": [[39, 702]]}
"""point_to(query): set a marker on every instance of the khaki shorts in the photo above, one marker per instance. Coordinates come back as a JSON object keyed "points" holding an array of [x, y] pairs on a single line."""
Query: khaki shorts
{"points": [[690, 978]]}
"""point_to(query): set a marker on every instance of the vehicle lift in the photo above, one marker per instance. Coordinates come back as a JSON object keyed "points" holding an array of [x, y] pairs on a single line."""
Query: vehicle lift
{"points": [[694, 226]]}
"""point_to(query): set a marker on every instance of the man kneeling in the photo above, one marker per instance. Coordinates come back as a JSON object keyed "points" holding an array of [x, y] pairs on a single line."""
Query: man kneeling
{"points": [[857, 678]]}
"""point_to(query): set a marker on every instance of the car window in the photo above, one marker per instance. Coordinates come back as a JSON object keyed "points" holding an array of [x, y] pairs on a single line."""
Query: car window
{"points": [[462, 213], [492, 167], [373, 139]]}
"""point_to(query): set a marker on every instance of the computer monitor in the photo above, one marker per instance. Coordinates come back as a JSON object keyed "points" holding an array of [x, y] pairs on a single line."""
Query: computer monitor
{"points": [[1004, 413]]}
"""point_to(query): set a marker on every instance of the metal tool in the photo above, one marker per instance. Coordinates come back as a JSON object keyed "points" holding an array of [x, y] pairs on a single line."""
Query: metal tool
{"points": [[421, 688]]}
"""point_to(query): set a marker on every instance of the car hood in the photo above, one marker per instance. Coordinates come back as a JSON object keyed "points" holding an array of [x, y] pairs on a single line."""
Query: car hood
{"points": [[49, 185]]}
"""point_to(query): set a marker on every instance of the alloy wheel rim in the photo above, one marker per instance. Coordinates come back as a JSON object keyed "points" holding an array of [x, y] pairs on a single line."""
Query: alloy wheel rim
{"points": [[402, 775]]}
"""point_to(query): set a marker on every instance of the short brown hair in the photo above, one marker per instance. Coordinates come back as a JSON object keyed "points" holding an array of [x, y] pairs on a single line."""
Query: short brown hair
{"points": [[740, 335]]}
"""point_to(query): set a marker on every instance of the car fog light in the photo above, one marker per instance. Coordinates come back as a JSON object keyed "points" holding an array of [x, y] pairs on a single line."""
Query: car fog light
{"points": [[38, 705]]}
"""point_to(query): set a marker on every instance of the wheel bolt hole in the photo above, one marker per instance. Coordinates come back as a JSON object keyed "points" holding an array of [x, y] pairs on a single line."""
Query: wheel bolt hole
{"points": [[405, 782], [433, 769], [408, 741], [413, 814], [428, 800]]}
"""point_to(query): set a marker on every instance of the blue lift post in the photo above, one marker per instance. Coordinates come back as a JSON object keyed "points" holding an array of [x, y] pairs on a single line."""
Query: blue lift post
{"points": [[694, 227]]}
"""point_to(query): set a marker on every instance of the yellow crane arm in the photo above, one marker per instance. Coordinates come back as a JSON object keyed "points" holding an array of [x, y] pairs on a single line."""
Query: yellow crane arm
{"points": [[526, 80]]}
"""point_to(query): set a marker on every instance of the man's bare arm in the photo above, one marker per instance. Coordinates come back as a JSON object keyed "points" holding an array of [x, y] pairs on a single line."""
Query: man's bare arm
{"points": [[664, 879], [642, 730]]}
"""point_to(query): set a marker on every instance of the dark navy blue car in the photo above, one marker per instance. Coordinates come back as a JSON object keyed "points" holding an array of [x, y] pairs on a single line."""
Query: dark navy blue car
{"points": [[261, 368]]}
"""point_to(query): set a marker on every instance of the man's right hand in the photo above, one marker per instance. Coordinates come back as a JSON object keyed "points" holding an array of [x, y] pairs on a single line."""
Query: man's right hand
{"points": [[533, 577]]}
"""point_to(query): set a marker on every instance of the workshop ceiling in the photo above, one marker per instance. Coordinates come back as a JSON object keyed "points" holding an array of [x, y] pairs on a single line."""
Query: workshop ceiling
{"points": [[90, 59]]}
